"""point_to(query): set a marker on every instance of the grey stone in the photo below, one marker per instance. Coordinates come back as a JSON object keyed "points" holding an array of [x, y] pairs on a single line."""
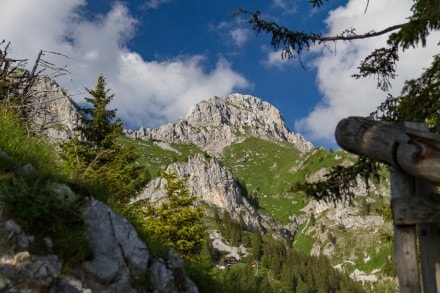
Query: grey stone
{"points": [[163, 277], [212, 183], [12, 228], [27, 169], [5, 155], [53, 113], [118, 251]]}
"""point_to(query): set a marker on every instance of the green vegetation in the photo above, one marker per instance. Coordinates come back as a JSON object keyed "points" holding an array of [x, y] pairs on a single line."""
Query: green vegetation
{"points": [[269, 171], [155, 158], [173, 220], [33, 195], [281, 270], [94, 155], [113, 168]]}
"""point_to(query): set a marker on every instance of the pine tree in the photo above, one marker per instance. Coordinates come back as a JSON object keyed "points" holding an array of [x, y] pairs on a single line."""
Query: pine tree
{"points": [[94, 154], [101, 126], [176, 222]]}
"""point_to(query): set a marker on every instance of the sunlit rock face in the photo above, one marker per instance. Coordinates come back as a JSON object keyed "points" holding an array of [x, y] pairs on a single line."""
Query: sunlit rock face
{"points": [[217, 122], [216, 186], [52, 111]]}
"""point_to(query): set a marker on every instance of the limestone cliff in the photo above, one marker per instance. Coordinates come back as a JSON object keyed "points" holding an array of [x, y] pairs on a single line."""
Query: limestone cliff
{"points": [[217, 122], [213, 184], [53, 112]]}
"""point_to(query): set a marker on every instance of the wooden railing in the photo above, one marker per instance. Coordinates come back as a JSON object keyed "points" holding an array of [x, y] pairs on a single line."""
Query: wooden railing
{"points": [[414, 156]]}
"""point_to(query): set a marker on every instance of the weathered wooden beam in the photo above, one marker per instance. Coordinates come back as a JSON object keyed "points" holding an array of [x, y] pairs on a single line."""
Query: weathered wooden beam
{"points": [[405, 236], [416, 152], [429, 239], [416, 210]]}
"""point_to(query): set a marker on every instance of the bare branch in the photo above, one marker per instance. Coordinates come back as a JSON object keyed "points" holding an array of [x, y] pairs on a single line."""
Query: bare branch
{"points": [[371, 34], [293, 43]]}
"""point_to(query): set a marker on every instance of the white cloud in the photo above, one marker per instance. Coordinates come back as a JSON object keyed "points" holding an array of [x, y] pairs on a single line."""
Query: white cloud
{"points": [[234, 32], [275, 59], [154, 4], [343, 95], [289, 7], [163, 91], [146, 92], [239, 36]]}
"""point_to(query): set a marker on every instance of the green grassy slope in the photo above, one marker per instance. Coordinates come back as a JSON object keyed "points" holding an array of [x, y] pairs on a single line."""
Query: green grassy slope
{"points": [[156, 157], [269, 169]]}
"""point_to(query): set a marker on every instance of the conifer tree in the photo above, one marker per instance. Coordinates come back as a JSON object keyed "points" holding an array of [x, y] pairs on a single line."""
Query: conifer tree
{"points": [[176, 221], [256, 242], [101, 126], [93, 154]]}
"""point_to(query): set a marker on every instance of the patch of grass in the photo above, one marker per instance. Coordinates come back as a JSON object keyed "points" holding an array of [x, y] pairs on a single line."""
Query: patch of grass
{"points": [[24, 149], [264, 168], [304, 243], [269, 169], [157, 158], [31, 197]]}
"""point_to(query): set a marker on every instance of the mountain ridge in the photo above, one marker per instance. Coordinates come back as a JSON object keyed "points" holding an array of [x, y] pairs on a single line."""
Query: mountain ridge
{"points": [[215, 123]]}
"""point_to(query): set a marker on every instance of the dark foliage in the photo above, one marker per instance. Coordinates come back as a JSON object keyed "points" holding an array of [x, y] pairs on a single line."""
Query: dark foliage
{"points": [[340, 182]]}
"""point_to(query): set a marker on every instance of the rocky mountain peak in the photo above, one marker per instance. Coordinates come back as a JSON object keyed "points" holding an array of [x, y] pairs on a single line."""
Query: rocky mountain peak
{"points": [[217, 122]]}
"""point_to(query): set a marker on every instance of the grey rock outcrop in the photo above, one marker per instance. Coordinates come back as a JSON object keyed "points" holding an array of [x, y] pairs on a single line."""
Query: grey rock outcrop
{"points": [[213, 184], [21, 271], [52, 111], [217, 122], [118, 257], [170, 275], [118, 252]]}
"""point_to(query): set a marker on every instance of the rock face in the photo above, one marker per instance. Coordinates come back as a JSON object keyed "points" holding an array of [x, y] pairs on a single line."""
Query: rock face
{"points": [[211, 183], [53, 112], [118, 252], [118, 257], [216, 123]]}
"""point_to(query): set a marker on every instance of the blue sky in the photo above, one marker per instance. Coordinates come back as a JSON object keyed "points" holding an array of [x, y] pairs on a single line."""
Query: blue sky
{"points": [[160, 57]]}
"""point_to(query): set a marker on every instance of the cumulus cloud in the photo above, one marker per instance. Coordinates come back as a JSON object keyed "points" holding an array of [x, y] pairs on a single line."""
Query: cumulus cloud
{"points": [[146, 92], [344, 96], [163, 91]]}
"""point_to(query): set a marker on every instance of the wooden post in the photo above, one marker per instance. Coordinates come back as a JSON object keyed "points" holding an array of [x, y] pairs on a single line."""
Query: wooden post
{"points": [[429, 234], [405, 237], [414, 154], [429, 241]]}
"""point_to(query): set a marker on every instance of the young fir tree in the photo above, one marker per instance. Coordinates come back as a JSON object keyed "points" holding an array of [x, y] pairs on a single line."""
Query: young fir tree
{"points": [[101, 126], [94, 154], [176, 222]]}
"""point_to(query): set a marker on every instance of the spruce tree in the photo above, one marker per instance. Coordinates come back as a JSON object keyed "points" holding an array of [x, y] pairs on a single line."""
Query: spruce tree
{"points": [[94, 153], [256, 242], [176, 221], [101, 126]]}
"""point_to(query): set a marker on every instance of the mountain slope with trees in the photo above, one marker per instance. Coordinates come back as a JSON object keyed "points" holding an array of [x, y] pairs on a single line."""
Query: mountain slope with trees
{"points": [[268, 173], [260, 233]]}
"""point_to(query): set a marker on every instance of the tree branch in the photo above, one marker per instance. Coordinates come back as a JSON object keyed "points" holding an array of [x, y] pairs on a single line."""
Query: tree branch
{"points": [[371, 34], [294, 42]]}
